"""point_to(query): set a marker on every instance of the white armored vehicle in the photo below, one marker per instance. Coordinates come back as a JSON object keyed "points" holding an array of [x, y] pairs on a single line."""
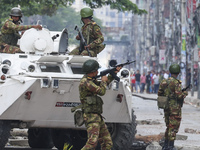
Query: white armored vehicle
{"points": [[39, 87]]}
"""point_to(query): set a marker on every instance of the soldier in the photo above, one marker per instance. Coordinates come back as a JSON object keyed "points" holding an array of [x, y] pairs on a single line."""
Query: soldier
{"points": [[91, 33], [171, 88], [89, 90], [9, 32]]}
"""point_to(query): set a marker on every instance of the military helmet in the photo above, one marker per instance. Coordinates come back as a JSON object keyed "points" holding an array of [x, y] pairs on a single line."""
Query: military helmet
{"points": [[174, 69], [90, 66], [86, 12], [16, 12]]}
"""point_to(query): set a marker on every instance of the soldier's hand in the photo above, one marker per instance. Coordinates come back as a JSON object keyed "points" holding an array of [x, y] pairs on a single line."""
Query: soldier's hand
{"points": [[77, 37], [37, 27], [104, 78], [185, 93], [88, 46]]}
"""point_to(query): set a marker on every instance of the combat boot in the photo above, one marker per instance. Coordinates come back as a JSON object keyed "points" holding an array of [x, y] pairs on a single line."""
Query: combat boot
{"points": [[165, 146], [171, 146]]}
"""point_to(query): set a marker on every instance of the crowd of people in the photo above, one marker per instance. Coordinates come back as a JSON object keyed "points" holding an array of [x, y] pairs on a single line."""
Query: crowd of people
{"points": [[147, 82]]}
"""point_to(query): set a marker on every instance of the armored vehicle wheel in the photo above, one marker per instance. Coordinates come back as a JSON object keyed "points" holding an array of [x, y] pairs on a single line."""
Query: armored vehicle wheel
{"points": [[60, 136], [40, 138], [79, 138], [4, 133], [123, 134]]}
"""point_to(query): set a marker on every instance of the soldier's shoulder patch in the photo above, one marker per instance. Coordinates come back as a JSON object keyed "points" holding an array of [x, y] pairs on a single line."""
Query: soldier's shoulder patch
{"points": [[97, 30], [94, 23]]}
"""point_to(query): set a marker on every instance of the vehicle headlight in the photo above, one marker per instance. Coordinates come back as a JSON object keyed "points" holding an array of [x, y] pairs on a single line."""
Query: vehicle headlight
{"points": [[27, 66], [5, 68]]}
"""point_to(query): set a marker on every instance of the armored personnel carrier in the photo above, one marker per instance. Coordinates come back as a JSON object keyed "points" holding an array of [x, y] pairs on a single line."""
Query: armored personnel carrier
{"points": [[39, 87]]}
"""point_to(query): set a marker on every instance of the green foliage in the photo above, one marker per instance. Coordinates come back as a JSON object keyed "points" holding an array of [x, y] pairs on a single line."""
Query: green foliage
{"points": [[49, 7], [67, 146], [56, 14], [65, 17], [121, 5]]}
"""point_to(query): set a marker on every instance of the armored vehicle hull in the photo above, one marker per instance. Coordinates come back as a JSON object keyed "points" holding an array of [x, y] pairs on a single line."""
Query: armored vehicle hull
{"points": [[38, 90]]}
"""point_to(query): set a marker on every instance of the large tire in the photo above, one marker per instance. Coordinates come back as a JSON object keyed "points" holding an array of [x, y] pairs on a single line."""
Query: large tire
{"points": [[4, 133], [79, 139], [61, 136], [40, 138], [123, 134]]}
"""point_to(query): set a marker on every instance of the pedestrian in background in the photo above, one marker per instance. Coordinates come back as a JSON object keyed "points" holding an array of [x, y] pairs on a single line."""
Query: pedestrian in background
{"points": [[137, 81], [133, 82], [171, 88], [148, 82], [156, 82], [152, 82], [166, 75], [161, 76], [142, 82]]}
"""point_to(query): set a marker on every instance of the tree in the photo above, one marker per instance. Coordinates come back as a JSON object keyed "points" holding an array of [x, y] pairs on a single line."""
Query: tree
{"points": [[65, 17], [49, 7]]}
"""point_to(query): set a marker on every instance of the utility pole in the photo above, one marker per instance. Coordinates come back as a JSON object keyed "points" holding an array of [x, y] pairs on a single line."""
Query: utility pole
{"points": [[183, 47], [172, 29], [192, 51], [157, 31]]}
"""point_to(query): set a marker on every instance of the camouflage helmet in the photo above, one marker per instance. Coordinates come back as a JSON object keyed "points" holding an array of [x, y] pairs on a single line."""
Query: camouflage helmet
{"points": [[174, 69], [90, 66], [86, 12], [16, 12]]}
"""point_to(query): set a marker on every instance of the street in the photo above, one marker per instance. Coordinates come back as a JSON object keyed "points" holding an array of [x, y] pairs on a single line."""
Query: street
{"points": [[146, 110], [151, 123]]}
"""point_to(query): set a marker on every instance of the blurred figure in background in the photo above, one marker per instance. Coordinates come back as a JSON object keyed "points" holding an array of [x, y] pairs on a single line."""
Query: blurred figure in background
{"points": [[156, 82], [148, 82], [132, 81], [137, 79], [142, 82]]}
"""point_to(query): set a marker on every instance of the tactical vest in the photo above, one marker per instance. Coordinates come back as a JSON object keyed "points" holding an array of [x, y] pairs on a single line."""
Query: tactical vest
{"points": [[10, 38], [93, 104]]}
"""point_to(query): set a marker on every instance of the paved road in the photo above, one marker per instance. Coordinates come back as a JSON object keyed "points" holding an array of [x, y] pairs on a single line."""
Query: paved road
{"points": [[147, 110]]}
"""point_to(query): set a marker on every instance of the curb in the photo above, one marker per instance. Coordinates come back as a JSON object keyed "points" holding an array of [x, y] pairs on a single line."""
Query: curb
{"points": [[188, 100]]}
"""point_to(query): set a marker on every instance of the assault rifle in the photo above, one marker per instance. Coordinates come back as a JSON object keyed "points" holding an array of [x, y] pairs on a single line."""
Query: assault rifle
{"points": [[187, 87], [82, 41], [112, 70], [184, 89]]}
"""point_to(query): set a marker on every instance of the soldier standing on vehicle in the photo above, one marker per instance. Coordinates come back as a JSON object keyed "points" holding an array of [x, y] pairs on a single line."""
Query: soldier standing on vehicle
{"points": [[171, 88], [9, 32], [92, 35], [90, 91]]}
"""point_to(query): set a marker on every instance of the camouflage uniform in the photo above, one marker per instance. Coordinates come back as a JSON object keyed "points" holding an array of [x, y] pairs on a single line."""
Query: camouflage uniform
{"points": [[94, 38], [172, 88], [96, 127], [9, 36]]}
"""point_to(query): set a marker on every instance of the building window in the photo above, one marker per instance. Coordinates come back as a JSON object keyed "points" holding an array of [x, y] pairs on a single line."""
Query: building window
{"points": [[112, 14], [112, 24]]}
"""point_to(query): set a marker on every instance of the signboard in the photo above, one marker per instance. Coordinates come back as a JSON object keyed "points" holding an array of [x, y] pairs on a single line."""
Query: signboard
{"points": [[162, 57]]}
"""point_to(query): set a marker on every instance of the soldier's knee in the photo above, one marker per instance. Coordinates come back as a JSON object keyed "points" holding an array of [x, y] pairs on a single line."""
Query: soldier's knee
{"points": [[74, 52]]}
